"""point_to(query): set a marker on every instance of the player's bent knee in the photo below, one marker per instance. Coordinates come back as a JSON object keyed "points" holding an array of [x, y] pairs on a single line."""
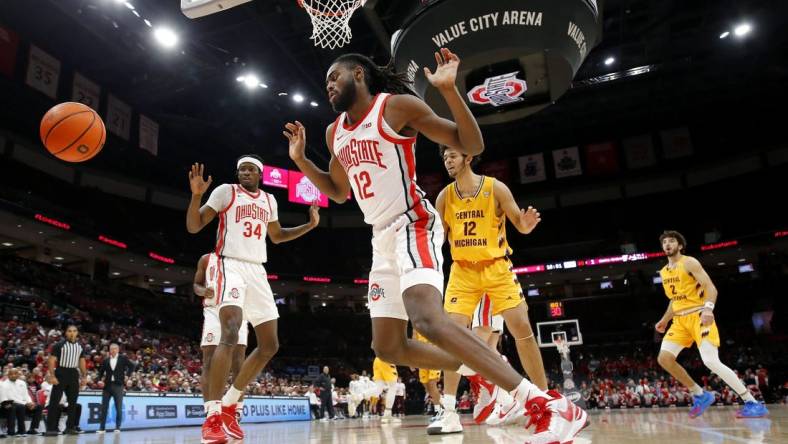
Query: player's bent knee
{"points": [[229, 336], [666, 359], [387, 351]]}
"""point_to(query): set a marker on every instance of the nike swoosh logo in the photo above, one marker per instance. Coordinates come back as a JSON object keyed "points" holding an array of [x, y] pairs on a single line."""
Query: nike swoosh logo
{"points": [[502, 414], [568, 413]]}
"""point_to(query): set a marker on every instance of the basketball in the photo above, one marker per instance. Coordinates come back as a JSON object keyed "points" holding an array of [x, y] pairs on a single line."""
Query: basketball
{"points": [[73, 132]]}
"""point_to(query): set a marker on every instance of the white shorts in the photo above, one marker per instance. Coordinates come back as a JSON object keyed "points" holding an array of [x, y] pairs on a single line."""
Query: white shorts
{"points": [[212, 328], [404, 254], [244, 285], [483, 317]]}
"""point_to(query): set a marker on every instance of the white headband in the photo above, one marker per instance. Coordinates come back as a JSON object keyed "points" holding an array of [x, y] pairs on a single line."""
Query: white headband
{"points": [[251, 160]]}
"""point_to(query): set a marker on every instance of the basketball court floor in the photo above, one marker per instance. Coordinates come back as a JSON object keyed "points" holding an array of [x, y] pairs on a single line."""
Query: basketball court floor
{"points": [[664, 426]]}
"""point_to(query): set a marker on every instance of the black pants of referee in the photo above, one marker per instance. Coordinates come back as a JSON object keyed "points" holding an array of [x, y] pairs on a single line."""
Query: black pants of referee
{"points": [[68, 383], [114, 391], [326, 404]]}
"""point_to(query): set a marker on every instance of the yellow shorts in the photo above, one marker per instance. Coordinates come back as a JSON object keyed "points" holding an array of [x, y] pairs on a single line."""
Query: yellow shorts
{"points": [[426, 375], [687, 329], [468, 282], [383, 371]]}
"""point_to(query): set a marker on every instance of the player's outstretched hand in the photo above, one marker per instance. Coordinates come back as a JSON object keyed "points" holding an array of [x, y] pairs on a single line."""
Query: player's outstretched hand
{"points": [[530, 218], [314, 215], [706, 318], [197, 184], [661, 326], [296, 136], [445, 74]]}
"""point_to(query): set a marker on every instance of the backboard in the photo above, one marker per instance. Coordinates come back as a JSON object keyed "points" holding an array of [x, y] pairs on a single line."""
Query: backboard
{"points": [[568, 329]]}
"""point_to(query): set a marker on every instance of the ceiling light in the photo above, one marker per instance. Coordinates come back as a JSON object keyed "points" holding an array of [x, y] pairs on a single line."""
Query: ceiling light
{"points": [[721, 264], [740, 260], [58, 258], [129, 5], [742, 29], [263, 85], [588, 279], [610, 60], [282, 94], [167, 282], [240, 78], [298, 98], [8, 244], [115, 273], [323, 304], [548, 283], [147, 22], [251, 81], [166, 37], [135, 13], [313, 103], [725, 35]]}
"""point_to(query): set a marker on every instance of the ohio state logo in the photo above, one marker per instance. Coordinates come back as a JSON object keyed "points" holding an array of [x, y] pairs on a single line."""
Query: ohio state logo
{"points": [[209, 337], [499, 90], [234, 293], [376, 292]]}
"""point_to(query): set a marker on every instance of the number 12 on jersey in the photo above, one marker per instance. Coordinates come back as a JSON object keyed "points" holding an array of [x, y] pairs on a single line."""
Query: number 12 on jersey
{"points": [[363, 182]]}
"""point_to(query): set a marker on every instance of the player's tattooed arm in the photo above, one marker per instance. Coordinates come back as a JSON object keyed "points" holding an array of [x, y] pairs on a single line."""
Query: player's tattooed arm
{"points": [[523, 220], [409, 114]]}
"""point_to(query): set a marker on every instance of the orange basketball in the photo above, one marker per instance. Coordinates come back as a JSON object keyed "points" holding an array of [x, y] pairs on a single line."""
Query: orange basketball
{"points": [[73, 132]]}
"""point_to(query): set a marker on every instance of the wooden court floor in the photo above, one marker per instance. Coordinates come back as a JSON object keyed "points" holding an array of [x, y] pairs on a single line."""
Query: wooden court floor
{"points": [[663, 426]]}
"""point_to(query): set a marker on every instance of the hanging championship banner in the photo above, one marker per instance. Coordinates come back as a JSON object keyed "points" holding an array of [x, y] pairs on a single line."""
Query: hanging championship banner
{"points": [[639, 151], [676, 142], [567, 162], [85, 91], [43, 72], [149, 135], [9, 43], [532, 168], [118, 117], [601, 158]]}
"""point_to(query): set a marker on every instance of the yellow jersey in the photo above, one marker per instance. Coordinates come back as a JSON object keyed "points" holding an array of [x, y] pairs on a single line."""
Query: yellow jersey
{"points": [[383, 371], [476, 232], [681, 287]]}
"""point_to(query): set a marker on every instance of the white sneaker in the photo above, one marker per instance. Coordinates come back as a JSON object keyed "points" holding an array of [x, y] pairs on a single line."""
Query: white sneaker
{"points": [[449, 422], [100, 432], [388, 418], [485, 392], [510, 413], [557, 419], [438, 415]]}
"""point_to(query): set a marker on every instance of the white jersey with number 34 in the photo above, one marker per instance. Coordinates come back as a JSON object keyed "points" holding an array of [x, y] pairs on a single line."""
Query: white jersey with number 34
{"points": [[243, 222], [380, 164]]}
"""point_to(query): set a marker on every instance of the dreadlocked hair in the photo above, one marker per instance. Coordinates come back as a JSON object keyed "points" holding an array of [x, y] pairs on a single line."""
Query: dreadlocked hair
{"points": [[379, 78]]}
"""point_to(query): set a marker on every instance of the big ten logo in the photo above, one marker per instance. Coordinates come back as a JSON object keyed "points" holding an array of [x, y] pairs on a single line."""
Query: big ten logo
{"points": [[94, 413], [376, 292]]}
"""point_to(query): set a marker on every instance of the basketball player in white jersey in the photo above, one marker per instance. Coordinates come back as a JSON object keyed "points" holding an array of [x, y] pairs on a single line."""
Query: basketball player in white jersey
{"points": [[212, 330], [246, 215], [371, 145], [355, 395]]}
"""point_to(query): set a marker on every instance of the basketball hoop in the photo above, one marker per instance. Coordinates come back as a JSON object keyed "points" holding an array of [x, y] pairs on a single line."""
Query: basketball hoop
{"points": [[330, 20], [561, 345]]}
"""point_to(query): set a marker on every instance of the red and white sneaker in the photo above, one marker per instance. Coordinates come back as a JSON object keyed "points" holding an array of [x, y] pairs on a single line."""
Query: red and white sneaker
{"points": [[485, 392], [557, 419], [212, 432], [510, 413], [230, 422]]}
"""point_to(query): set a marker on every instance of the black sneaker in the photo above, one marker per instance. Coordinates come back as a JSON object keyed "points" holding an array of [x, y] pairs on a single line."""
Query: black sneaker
{"points": [[51, 433], [71, 432]]}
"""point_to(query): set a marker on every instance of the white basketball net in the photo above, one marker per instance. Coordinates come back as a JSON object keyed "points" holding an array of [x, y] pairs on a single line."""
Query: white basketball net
{"points": [[561, 345], [330, 21]]}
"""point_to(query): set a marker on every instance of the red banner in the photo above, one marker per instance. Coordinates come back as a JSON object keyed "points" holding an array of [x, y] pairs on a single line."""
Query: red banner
{"points": [[498, 169], [601, 158], [9, 42]]}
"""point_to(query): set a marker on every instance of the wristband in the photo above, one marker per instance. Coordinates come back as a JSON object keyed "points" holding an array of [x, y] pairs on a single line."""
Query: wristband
{"points": [[709, 305]]}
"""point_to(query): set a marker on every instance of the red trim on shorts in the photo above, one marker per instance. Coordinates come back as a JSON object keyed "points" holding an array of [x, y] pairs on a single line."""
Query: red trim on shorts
{"points": [[220, 280], [366, 113], [486, 312], [420, 226], [395, 139]]}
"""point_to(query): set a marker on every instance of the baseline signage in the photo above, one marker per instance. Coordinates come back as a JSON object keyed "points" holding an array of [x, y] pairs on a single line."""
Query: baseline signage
{"points": [[141, 411]]}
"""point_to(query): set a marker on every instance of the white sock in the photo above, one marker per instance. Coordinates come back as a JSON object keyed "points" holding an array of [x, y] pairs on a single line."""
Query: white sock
{"points": [[214, 407], [696, 390], [449, 403], [527, 390], [232, 396], [465, 370], [239, 407], [710, 355]]}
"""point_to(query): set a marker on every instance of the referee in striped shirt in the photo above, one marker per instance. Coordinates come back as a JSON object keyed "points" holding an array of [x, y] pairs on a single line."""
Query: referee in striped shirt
{"points": [[69, 357]]}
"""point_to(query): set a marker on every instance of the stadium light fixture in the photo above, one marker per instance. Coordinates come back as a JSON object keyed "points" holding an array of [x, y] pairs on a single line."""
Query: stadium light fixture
{"points": [[166, 37], [313, 104], [742, 29], [725, 35], [298, 98], [609, 61], [129, 5], [8, 244]]}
